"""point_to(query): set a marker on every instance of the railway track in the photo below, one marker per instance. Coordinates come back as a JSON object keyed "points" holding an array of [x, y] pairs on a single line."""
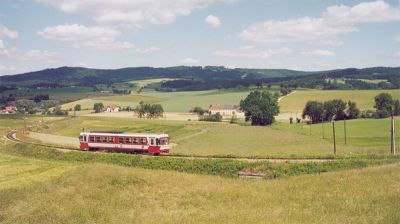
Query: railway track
{"points": [[12, 136]]}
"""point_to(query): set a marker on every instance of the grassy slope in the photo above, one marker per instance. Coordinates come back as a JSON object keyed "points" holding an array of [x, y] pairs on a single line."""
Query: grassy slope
{"points": [[171, 101], [200, 138], [110, 194], [371, 134], [184, 101], [364, 98], [121, 100]]}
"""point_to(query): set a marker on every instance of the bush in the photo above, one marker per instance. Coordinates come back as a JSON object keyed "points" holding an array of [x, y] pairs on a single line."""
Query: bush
{"points": [[213, 117]]}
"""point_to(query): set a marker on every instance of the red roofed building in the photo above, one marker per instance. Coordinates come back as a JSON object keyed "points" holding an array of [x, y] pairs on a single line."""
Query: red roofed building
{"points": [[9, 110], [226, 110], [112, 108]]}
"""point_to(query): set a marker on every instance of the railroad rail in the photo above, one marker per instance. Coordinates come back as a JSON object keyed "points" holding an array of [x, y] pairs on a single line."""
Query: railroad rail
{"points": [[12, 136]]}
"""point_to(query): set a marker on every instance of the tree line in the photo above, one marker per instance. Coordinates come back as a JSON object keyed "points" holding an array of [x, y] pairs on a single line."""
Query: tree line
{"points": [[337, 109]]}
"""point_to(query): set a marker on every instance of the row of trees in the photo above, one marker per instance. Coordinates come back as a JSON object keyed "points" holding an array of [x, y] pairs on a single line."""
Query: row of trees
{"points": [[150, 111], [337, 109], [329, 110]]}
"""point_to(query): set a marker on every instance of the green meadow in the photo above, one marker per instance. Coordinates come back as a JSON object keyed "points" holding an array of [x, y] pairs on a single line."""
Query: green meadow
{"points": [[44, 185], [216, 139], [364, 98], [171, 101]]}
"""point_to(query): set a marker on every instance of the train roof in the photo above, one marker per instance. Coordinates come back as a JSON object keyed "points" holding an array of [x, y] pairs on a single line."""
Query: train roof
{"points": [[118, 134]]}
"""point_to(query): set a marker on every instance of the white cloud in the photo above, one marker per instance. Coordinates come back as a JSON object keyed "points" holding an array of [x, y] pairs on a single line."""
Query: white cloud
{"points": [[251, 52], [95, 37], [213, 21], [190, 61], [132, 12], [335, 21], [326, 53], [5, 32], [7, 69], [148, 50], [42, 56], [396, 38]]}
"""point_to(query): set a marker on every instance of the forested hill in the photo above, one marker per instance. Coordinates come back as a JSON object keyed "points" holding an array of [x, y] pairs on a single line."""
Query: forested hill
{"points": [[192, 78]]}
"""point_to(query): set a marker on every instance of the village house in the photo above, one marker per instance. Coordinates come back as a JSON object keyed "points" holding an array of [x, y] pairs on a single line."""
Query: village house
{"points": [[112, 108], [9, 110], [226, 110]]}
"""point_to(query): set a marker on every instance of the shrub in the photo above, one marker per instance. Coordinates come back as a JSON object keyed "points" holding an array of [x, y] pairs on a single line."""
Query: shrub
{"points": [[213, 117]]}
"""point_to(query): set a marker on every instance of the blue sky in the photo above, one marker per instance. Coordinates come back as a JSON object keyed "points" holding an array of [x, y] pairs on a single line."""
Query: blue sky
{"points": [[300, 34]]}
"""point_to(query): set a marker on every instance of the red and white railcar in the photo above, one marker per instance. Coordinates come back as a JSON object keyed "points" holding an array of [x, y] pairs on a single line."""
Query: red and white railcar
{"points": [[125, 142]]}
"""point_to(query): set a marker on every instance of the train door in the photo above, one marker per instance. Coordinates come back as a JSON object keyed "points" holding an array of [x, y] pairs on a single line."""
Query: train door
{"points": [[83, 140]]}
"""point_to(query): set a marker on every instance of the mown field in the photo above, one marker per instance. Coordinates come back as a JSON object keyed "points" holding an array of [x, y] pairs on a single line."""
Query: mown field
{"points": [[364, 98], [212, 139]]}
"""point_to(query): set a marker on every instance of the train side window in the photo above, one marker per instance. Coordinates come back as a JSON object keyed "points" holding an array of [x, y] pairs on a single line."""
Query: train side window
{"points": [[128, 140], [110, 139], [143, 141], [91, 138], [135, 140], [97, 139], [104, 139], [121, 140]]}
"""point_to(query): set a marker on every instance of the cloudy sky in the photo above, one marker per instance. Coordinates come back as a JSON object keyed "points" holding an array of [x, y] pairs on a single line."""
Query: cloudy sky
{"points": [[300, 34]]}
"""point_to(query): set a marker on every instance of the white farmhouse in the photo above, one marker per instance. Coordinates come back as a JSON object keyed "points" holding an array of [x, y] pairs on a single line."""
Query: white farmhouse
{"points": [[226, 110]]}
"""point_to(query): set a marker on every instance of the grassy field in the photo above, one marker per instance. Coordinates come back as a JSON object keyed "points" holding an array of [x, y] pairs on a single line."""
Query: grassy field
{"points": [[364, 98], [282, 139], [171, 101], [95, 193], [184, 101], [373, 134], [120, 100], [40, 185]]}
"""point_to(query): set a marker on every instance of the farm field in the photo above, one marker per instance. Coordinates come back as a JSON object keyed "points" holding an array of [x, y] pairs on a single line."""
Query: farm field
{"points": [[282, 139], [55, 192], [171, 101], [364, 98], [121, 100]]}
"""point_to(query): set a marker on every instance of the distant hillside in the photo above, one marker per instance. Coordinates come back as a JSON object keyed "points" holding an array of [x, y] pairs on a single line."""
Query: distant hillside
{"points": [[196, 78]]}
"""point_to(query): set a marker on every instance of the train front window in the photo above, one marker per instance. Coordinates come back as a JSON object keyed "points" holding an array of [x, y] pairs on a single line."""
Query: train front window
{"points": [[164, 141], [81, 138], [157, 141]]}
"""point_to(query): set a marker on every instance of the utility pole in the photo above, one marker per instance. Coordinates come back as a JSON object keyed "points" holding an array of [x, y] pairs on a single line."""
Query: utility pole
{"points": [[345, 131], [334, 137], [392, 137], [24, 130]]}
